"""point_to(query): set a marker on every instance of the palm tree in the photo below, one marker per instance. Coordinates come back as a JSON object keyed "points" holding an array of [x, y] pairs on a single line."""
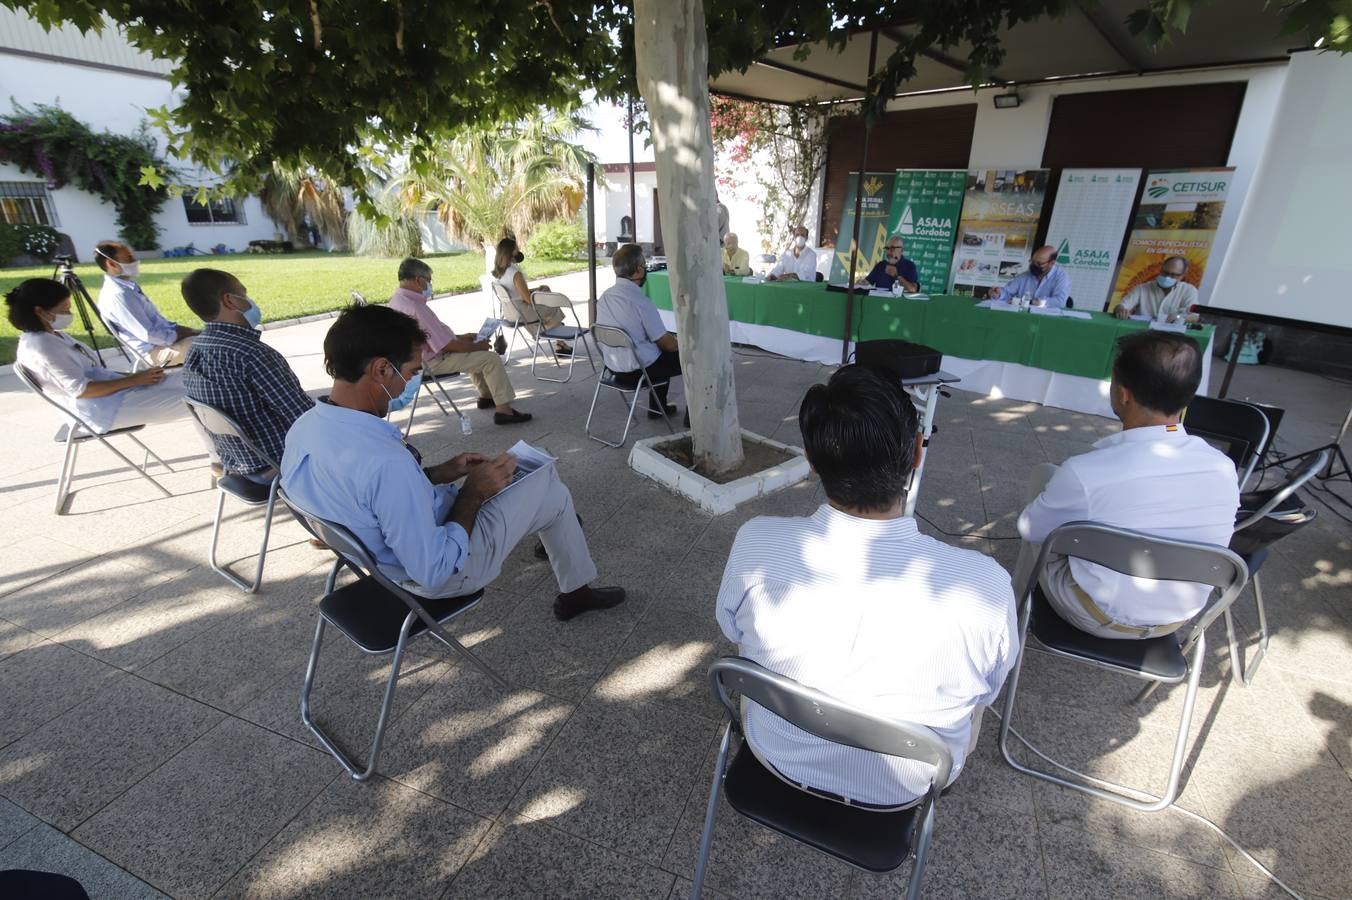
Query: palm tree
{"points": [[392, 232], [290, 194], [485, 184]]}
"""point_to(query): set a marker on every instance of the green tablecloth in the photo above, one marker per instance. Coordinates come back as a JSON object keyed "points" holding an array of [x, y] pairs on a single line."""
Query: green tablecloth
{"points": [[954, 325]]}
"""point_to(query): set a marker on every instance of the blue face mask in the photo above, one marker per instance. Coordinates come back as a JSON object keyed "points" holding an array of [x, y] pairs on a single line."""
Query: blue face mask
{"points": [[253, 315], [409, 392], [427, 291], [1166, 281]]}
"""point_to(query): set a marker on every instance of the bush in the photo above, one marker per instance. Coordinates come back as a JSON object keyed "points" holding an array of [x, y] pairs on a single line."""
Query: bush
{"points": [[557, 240], [38, 241]]}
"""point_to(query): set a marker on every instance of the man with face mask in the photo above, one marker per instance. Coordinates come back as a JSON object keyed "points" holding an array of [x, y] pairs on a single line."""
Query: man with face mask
{"points": [[128, 312], [625, 306], [345, 463], [229, 367], [798, 262], [1045, 282], [446, 352], [1166, 296], [894, 267]]}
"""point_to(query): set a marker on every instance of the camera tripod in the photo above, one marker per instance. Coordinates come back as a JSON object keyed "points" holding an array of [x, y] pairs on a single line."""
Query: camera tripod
{"points": [[65, 273], [1337, 456]]}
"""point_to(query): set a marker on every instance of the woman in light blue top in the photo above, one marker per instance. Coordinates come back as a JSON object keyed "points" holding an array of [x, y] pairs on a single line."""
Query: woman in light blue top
{"points": [[70, 373]]}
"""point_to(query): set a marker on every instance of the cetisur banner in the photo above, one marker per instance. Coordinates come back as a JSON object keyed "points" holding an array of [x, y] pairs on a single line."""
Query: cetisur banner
{"points": [[926, 204], [1000, 213], [1092, 211], [874, 213], [1178, 216]]}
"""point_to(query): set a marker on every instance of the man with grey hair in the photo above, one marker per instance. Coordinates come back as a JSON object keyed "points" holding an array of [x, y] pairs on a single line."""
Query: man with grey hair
{"points": [[1166, 296], [446, 352], [626, 307]]}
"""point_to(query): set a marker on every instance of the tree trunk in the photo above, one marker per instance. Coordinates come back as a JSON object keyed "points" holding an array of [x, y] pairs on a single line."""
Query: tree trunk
{"points": [[671, 46]]}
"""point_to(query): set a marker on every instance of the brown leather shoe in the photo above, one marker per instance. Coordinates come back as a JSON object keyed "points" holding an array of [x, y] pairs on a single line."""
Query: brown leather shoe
{"points": [[567, 606]]}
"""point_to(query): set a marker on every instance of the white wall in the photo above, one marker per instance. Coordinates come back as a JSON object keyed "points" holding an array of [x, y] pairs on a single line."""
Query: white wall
{"points": [[116, 102]]}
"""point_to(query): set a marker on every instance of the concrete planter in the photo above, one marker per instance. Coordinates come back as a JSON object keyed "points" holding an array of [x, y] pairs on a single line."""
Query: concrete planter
{"points": [[711, 496]]}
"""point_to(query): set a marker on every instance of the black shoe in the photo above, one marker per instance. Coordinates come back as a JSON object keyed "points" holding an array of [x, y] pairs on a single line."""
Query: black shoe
{"points": [[511, 418], [657, 414], [566, 608], [486, 403], [686, 420], [500, 345], [563, 350]]}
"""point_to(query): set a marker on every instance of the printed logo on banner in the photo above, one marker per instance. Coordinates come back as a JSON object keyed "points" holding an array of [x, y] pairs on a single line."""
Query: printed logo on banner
{"points": [[907, 224], [1159, 187]]}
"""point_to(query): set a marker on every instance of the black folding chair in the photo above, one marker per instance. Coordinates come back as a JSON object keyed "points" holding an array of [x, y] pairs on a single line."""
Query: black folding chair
{"points": [[869, 839], [1159, 660], [1240, 428], [246, 490], [77, 431], [380, 618], [1264, 518]]}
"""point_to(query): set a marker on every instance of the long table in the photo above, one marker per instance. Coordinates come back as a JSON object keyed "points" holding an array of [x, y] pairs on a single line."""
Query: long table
{"points": [[1056, 361]]}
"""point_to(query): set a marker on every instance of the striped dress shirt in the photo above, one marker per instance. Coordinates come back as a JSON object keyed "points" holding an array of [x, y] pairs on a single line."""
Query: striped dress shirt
{"points": [[878, 615], [229, 367]]}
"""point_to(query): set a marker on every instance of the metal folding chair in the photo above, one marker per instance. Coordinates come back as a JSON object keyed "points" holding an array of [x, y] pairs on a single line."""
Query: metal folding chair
{"points": [[1241, 428], [380, 618], [1159, 660], [1264, 518], [427, 382], [76, 431], [249, 492], [565, 332], [873, 840], [619, 350]]}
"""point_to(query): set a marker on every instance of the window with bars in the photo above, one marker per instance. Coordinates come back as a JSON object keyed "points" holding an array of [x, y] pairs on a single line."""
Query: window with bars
{"points": [[26, 203], [214, 212]]}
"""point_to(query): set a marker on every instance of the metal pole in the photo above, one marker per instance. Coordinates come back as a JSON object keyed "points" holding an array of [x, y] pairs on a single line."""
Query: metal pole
{"points": [[633, 204], [1234, 358], [858, 208], [591, 242]]}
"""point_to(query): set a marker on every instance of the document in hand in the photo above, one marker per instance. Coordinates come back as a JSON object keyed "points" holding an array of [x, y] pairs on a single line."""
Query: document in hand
{"points": [[529, 460], [486, 329]]}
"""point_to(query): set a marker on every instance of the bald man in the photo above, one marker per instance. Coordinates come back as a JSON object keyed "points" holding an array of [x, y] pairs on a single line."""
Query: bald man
{"points": [[1166, 297], [1045, 282], [735, 260]]}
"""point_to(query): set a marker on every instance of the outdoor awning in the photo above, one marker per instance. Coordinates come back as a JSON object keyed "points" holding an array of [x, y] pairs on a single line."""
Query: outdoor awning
{"points": [[1092, 40]]}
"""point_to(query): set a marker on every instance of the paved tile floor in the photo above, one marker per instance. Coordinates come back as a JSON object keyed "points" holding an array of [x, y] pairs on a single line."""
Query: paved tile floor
{"points": [[150, 742]]}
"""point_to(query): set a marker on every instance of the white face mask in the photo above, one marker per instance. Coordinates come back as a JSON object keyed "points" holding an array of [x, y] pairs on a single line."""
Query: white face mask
{"points": [[800, 242], [130, 270], [62, 321]]}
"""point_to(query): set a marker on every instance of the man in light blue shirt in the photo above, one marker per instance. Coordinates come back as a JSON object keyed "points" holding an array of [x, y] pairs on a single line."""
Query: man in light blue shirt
{"points": [[130, 315], [1045, 282], [625, 306], [343, 462]]}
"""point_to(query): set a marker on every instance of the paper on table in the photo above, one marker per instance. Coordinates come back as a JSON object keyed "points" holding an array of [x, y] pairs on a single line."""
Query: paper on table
{"points": [[919, 295], [486, 329], [752, 279], [1075, 314], [1045, 310], [1168, 326], [1006, 307], [1139, 318], [529, 460]]}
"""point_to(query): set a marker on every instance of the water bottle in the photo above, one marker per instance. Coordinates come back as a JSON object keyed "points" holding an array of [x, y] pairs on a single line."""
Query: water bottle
{"points": [[465, 427]]}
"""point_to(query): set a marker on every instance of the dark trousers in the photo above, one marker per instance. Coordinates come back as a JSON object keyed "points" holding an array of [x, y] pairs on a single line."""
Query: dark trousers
{"points": [[666, 366]]}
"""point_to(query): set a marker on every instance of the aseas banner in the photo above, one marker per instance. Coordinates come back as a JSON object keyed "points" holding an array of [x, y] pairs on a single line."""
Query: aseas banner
{"points": [[1093, 208], [1000, 213], [926, 204], [874, 213], [1178, 216]]}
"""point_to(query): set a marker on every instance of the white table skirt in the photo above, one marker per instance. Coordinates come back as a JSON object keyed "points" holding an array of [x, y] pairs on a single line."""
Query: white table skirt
{"points": [[994, 379]]}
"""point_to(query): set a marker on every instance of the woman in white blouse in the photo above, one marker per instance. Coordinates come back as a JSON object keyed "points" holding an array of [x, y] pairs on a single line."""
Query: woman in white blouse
{"points": [[509, 276], [70, 373]]}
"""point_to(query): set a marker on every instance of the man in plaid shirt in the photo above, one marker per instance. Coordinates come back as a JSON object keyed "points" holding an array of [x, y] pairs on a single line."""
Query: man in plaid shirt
{"points": [[230, 368]]}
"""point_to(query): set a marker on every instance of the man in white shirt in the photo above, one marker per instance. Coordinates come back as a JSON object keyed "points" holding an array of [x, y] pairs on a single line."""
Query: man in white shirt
{"points": [[628, 308], [126, 309], [1152, 477], [1166, 297], [854, 601], [799, 261]]}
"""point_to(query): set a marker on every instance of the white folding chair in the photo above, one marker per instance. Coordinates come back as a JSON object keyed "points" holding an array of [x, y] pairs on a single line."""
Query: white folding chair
{"points": [[1159, 660], [622, 373], [563, 332], [249, 492], [869, 839], [76, 431]]}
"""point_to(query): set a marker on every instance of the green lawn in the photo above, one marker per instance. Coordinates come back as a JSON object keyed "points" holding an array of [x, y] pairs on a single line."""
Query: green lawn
{"points": [[285, 285]]}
